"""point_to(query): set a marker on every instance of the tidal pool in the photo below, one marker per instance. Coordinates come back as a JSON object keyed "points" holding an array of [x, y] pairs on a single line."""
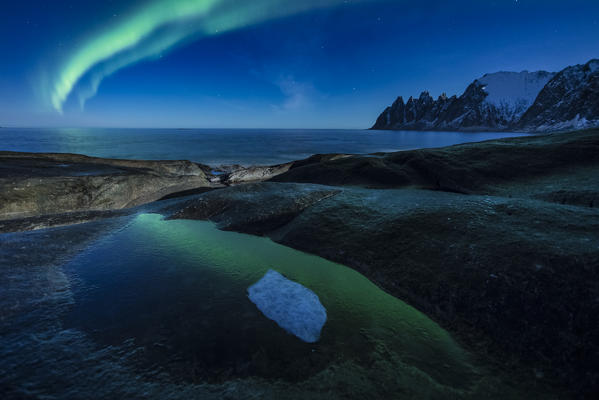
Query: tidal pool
{"points": [[160, 309]]}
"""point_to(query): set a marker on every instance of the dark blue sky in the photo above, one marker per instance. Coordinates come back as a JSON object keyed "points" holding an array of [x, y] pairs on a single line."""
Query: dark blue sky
{"points": [[318, 67]]}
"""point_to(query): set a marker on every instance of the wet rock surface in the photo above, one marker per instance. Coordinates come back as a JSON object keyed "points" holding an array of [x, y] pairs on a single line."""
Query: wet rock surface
{"points": [[477, 168], [244, 209], [498, 241], [253, 173], [504, 251], [54, 220], [42, 184], [514, 278]]}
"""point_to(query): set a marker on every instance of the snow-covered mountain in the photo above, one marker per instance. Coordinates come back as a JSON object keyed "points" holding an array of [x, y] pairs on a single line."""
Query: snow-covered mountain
{"points": [[512, 93], [569, 101], [506, 101]]}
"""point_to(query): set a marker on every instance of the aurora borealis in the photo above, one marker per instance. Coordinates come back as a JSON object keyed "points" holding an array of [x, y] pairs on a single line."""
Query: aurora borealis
{"points": [[266, 63], [158, 26]]}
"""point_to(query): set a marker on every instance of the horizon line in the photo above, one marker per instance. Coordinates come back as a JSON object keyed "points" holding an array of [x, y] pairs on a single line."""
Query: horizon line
{"points": [[171, 128]]}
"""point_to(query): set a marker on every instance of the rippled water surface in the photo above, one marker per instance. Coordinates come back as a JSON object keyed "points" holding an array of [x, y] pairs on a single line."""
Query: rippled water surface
{"points": [[227, 146]]}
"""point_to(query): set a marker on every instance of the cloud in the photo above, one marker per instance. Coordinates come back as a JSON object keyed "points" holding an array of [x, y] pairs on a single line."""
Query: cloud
{"points": [[298, 95]]}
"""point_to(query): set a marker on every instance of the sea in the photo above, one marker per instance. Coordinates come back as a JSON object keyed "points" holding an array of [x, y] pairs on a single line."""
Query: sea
{"points": [[227, 146]]}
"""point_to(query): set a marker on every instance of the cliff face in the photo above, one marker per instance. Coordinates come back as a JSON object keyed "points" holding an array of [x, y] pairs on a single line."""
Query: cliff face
{"points": [[421, 113], [568, 101], [530, 101]]}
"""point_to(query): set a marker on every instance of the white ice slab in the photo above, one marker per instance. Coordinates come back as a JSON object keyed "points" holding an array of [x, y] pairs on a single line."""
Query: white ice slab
{"points": [[292, 306]]}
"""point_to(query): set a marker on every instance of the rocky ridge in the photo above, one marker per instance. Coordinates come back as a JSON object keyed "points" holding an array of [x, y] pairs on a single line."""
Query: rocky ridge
{"points": [[526, 101], [569, 101]]}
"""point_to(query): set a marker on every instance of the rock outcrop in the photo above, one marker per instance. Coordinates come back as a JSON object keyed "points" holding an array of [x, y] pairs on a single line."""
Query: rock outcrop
{"points": [[256, 173], [33, 184], [289, 202], [502, 251], [540, 165], [513, 278]]}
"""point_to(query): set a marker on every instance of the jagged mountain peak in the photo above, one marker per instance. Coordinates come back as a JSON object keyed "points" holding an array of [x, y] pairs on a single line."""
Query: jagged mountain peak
{"points": [[593, 65], [569, 101], [506, 100], [398, 101]]}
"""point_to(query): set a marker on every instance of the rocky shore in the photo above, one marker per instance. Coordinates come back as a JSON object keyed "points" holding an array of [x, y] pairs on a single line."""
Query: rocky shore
{"points": [[497, 241], [44, 184], [43, 189]]}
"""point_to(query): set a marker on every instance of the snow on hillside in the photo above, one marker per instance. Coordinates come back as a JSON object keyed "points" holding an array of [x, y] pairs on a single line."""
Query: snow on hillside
{"points": [[513, 92], [522, 101]]}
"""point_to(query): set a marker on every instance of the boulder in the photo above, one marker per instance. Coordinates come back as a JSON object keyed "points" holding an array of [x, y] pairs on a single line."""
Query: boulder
{"points": [[33, 184]]}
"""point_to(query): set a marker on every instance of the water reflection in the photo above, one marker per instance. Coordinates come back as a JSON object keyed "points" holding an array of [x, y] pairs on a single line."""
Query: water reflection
{"points": [[179, 290], [159, 309]]}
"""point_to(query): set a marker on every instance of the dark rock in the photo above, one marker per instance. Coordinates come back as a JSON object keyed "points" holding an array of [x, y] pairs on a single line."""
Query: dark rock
{"points": [[516, 279], [245, 210], [493, 102], [469, 168], [254, 173], [569, 101], [508, 262], [55, 220], [37, 184]]}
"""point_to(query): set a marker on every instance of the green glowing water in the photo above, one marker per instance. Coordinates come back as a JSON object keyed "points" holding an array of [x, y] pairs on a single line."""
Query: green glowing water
{"points": [[159, 309], [179, 289]]}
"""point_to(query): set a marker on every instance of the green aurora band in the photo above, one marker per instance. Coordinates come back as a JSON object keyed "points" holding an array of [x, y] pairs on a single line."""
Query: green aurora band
{"points": [[158, 27]]}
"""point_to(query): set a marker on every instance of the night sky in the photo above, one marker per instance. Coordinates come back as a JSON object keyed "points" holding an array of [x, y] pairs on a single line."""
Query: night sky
{"points": [[267, 63]]}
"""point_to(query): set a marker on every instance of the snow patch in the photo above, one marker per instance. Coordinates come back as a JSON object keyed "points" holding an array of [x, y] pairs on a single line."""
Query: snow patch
{"points": [[512, 93], [292, 306], [577, 122]]}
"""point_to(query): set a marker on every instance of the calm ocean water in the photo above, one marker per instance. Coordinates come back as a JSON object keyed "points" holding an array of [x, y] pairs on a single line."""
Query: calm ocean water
{"points": [[226, 146]]}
